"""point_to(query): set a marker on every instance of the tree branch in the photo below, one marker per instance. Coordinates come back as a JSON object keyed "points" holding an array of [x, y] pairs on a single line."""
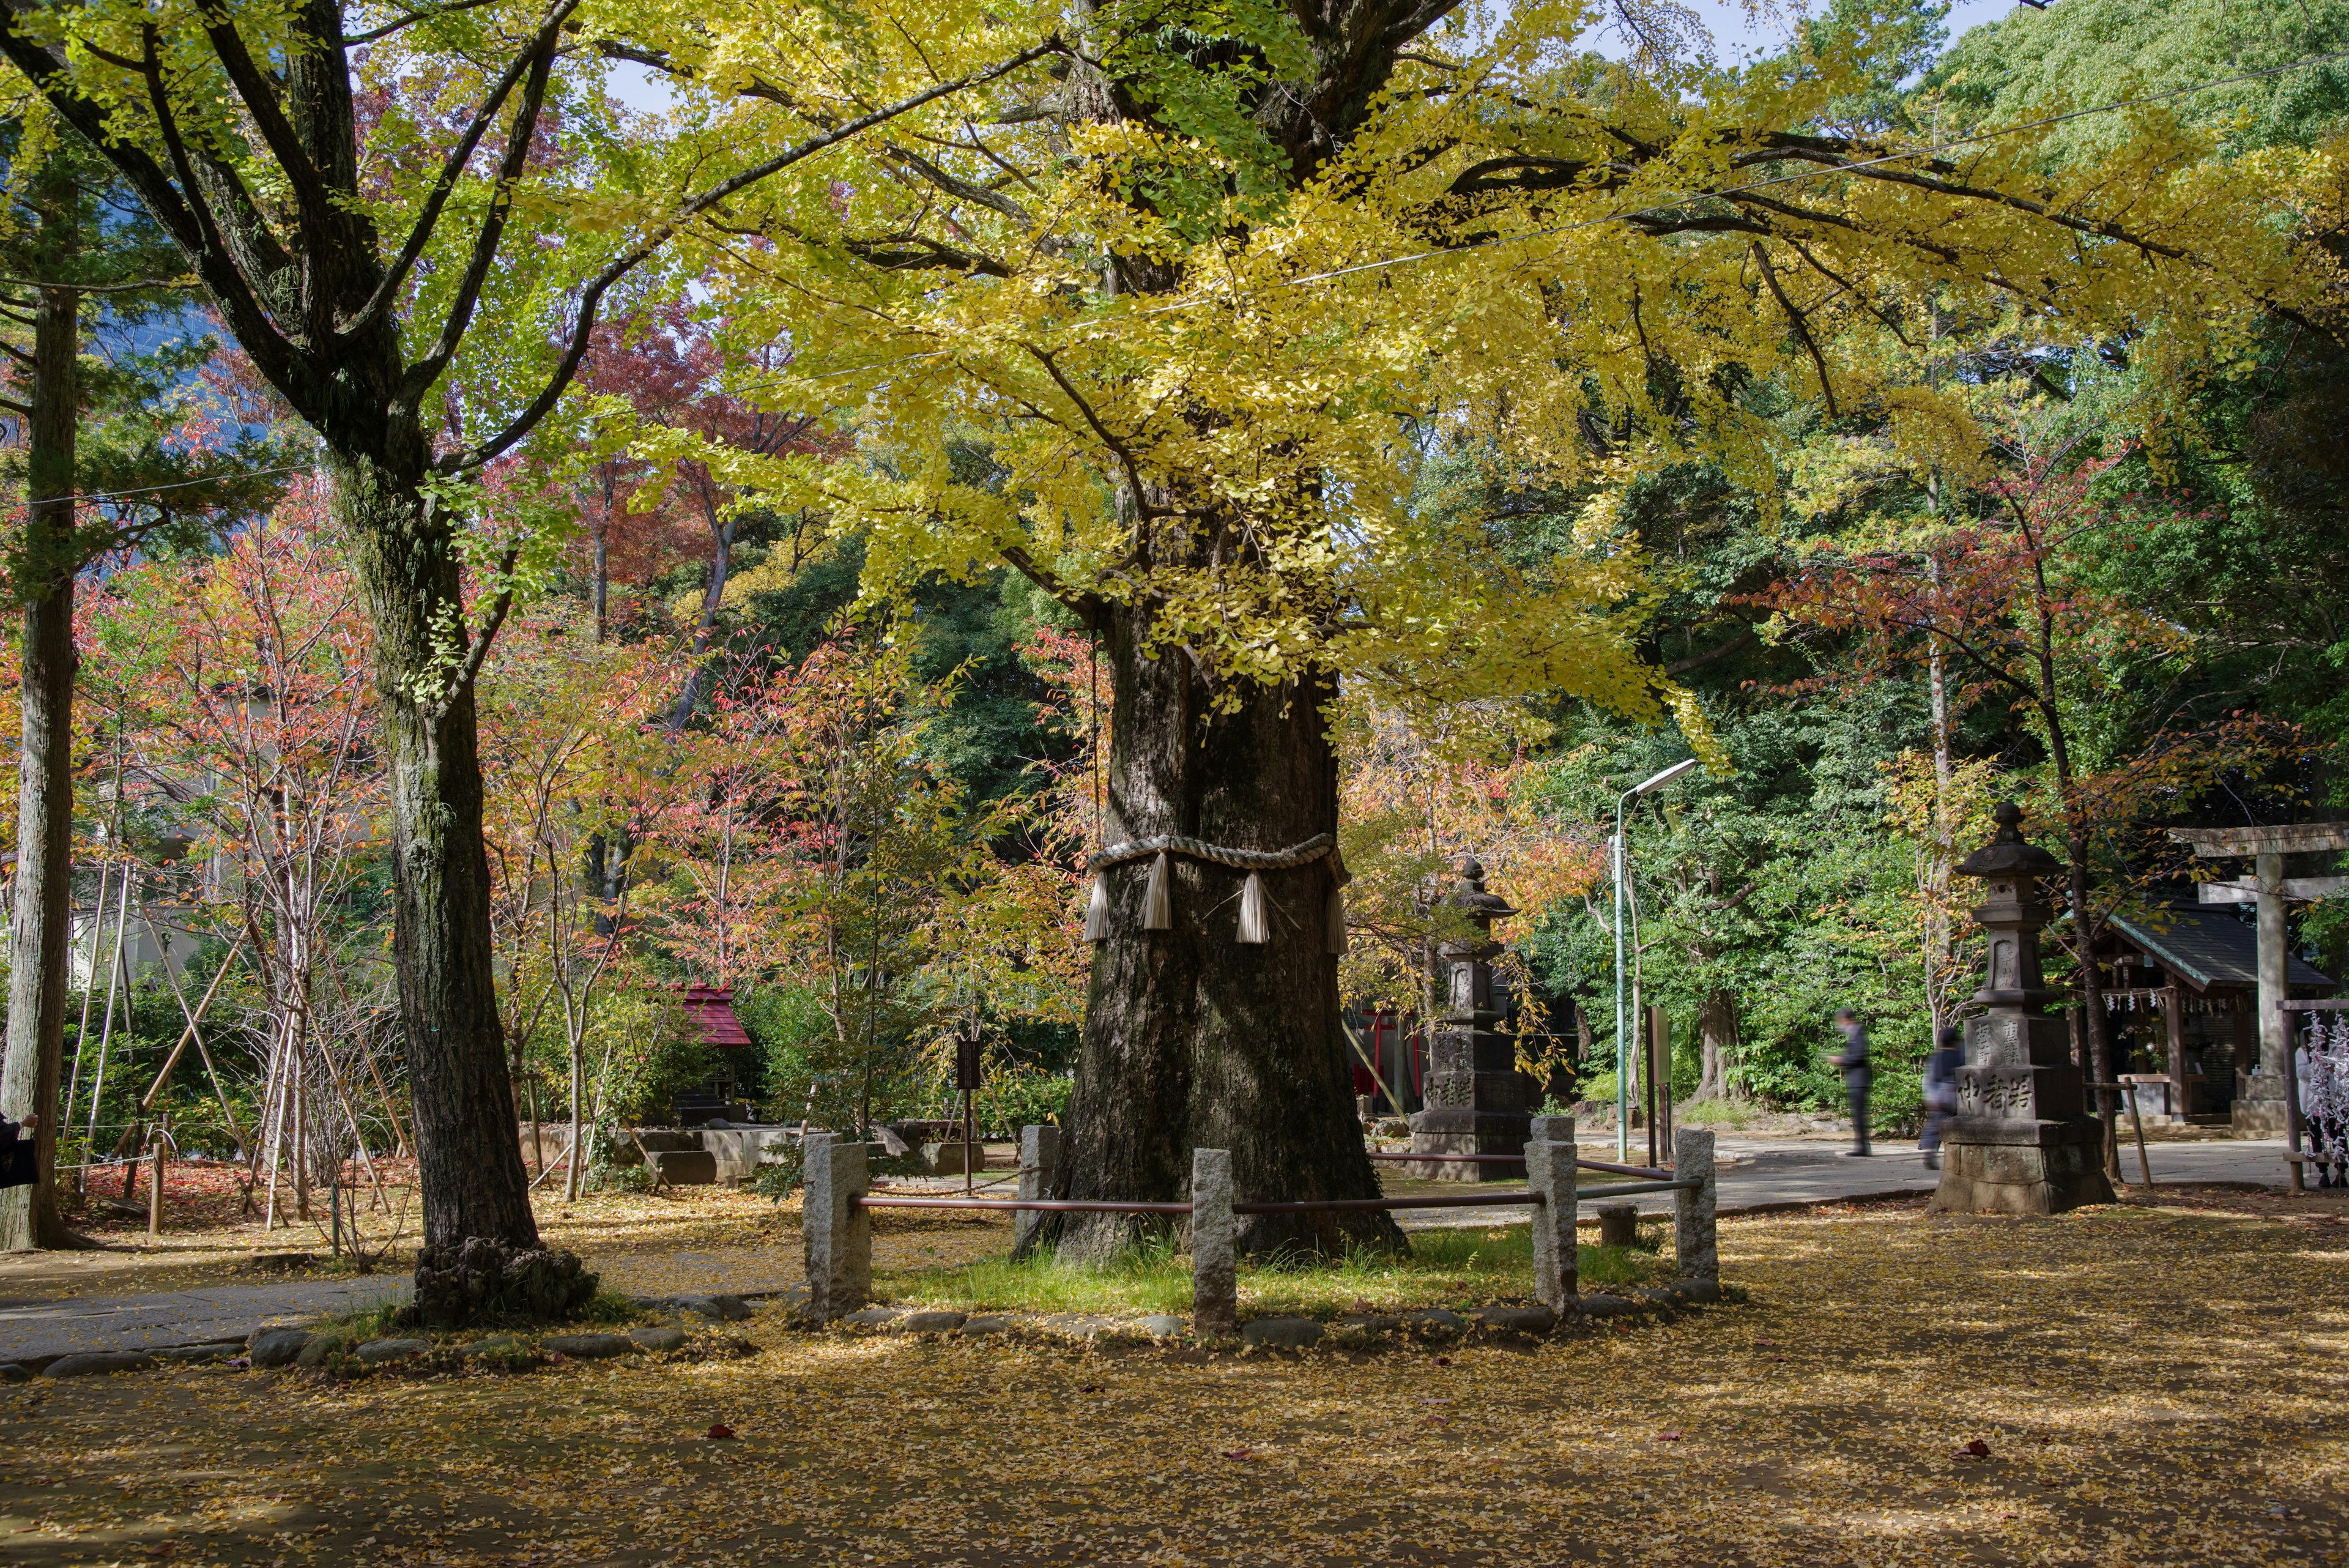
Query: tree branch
{"points": [[583, 328], [1801, 325], [427, 371], [460, 156]]}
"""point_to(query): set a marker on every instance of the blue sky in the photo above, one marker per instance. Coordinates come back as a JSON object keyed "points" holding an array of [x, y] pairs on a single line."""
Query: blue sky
{"points": [[1735, 35]]}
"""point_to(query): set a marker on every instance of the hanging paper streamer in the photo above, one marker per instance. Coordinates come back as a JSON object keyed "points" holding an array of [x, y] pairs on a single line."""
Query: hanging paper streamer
{"points": [[1254, 931], [1097, 912], [1158, 899]]}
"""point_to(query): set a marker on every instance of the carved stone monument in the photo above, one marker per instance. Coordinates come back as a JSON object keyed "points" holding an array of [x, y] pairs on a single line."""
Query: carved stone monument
{"points": [[2022, 1141], [1477, 1101]]}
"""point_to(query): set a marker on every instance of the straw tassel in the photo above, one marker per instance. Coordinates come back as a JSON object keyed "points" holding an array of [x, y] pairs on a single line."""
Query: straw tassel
{"points": [[1334, 910], [1097, 912], [1254, 930], [1158, 899]]}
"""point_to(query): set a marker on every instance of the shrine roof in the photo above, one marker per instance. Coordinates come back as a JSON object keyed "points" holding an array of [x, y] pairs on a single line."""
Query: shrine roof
{"points": [[710, 1009], [2208, 946]]}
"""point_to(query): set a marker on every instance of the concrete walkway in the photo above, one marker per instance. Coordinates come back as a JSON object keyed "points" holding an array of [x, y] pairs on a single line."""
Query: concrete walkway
{"points": [[1756, 1174], [31, 1331]]}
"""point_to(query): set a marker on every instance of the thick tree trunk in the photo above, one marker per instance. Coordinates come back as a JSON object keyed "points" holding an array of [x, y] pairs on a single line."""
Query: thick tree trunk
{"points": [[1716, 1025], [1192, 1040], [41, 928], [468, 1160]]}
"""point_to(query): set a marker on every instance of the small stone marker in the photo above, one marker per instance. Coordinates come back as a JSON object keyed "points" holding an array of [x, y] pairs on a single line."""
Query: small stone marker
{"points": [[1214, 1269], [838, 1231], [1618, 1224], [1695, 1237], [1551, 1157], [1039, 1156]]}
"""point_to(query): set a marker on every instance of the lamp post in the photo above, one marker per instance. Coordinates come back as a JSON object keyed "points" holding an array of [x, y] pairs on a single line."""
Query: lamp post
{"points": [[1622, 1023]]}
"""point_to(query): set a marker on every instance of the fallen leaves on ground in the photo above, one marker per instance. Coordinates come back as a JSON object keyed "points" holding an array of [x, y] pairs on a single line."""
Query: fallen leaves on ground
{"points": [[2154, 1385]]}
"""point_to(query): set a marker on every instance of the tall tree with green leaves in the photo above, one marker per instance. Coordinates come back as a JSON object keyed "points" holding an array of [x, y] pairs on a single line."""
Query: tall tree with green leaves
{"points": [[105, 461]]}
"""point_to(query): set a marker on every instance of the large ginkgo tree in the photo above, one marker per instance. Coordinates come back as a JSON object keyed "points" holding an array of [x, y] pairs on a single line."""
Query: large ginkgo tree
{"points": [[1208, 323]]}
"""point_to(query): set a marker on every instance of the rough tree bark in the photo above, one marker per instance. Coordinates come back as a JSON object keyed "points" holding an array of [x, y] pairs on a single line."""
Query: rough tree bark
{"points": [[39, 933], [1192, 1040], [1716, 1027]]}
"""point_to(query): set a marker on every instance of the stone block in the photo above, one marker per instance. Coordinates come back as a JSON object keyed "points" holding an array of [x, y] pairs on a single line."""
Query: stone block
{"points": [[1214, 1266], [993, 1323], [873, 1317], [1696, 1242], [1434, 1321], [2017, 1040], [376, 1352], [947, 1159], [2028, 1168], [1604, 1306], [659, 1339], [277, 1346], [496, 1345], [2024, 1094], [929, 1322], [1040, 1158], [1550, 1177], [1162, 1326], [1533, 1320], [589, 1346], [1281, 1333], [196, 1354], [96, 1363], [314, 1355], [686, 1166], [1618, 1224], [837, 1230], [14, 1372]]}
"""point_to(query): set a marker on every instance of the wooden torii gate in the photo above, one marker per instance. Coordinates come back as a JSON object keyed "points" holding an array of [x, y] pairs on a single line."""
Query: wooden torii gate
{"points": [[2260, 1108]]}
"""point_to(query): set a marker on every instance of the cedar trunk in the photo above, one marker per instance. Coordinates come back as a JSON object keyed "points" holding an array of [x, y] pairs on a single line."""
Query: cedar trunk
{"points": [[40, 926], [469, 1157], [1192, 1040]]}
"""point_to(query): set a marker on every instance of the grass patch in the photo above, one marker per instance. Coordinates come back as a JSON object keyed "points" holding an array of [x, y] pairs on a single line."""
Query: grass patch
{"points": [[1451, 1268]]}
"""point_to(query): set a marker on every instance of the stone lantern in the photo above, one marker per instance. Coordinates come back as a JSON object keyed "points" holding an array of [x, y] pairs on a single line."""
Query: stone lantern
{"points": [[1477, 1101], [2022, 1141]]}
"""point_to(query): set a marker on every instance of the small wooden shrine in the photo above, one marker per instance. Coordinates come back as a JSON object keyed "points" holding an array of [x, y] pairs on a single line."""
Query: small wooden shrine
{"points": [[2181, 1008]]}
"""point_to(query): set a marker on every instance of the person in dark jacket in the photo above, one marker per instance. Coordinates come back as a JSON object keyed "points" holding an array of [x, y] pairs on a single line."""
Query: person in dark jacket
{"points": [[1941, 1092], [1858, 1073], [19, 1158]]}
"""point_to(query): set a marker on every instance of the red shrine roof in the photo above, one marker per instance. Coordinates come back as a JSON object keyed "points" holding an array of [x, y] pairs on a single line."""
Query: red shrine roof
{"points": [[711, 1010]]}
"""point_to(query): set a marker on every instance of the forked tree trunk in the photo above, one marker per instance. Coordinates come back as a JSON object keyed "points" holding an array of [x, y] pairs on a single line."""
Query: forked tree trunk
{"points": [[1191, 1040], [40, 931], [469, 1158]]}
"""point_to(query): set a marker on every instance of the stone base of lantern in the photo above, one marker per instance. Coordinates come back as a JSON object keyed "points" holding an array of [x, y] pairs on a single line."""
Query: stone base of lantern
{"points": [[1990, 1167], [1457, 1130], [2259, 1109]]}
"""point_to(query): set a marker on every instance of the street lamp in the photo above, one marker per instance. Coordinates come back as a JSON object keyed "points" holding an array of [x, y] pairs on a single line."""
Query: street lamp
{"points": [[1622, 1022]]}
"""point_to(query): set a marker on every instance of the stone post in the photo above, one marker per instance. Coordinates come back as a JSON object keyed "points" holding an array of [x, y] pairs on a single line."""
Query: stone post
{"points": [[1040, 1156], [2275, 976], [837, 1229], [1215, 1270], [1550, 1155], [1695, 1241], [2021, 1142]]}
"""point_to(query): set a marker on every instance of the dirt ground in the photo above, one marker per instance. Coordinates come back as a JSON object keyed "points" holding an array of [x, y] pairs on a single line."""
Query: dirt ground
{"points": [[2149, 1383]]}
